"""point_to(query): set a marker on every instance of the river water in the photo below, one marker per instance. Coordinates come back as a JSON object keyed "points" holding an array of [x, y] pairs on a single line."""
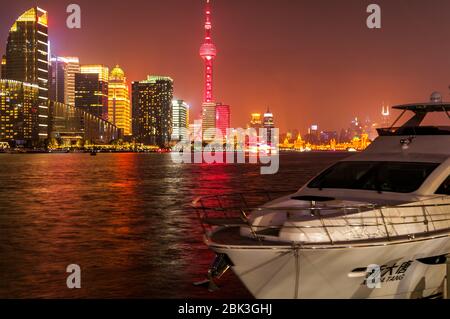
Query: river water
{"points": [[123, 218]]}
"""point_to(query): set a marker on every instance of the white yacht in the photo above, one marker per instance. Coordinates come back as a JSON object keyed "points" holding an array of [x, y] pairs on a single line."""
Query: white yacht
{"points": [[375, 225]]}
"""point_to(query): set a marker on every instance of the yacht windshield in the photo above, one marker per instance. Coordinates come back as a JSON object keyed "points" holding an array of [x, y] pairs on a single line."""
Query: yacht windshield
{"points": [[397, 177]]}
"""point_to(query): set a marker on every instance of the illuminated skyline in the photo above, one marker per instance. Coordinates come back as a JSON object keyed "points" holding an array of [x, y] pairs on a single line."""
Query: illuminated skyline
{"points": [[306, 59]]}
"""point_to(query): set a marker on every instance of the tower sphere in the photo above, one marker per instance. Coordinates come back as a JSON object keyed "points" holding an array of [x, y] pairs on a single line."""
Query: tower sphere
{"points": [[208, 50]]}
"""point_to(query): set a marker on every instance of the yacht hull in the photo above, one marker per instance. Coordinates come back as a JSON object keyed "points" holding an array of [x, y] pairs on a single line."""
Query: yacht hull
{"points": [[413, 269]]}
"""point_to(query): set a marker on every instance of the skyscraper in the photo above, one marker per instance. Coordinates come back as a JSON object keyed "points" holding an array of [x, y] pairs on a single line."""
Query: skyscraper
{"points": [[91, 90], [209, 121], [72, 67], [27, 60], [57, 79], [152, 110], [119, 106], [223, 121], [18, 100], [180, 117], [268, 119], [269, 125]]}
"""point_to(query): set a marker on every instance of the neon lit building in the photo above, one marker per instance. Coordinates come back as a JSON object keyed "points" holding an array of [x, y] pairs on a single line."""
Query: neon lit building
{"points": [[18, 100], [152, 110], [27, 60], [223, 120], [91, 90], [119, 106], [209, 121], [180, 117]]}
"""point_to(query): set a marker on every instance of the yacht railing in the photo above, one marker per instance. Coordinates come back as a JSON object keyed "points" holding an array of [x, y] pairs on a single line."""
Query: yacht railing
{"points": [[368, 222]]}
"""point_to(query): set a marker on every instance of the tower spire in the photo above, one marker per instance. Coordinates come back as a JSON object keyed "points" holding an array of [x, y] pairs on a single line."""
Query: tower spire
{"points": [[208, 22]]}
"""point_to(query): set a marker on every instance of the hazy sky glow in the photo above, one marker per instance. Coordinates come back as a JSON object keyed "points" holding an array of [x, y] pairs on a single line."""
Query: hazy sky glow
{"points": [[312, 61]]}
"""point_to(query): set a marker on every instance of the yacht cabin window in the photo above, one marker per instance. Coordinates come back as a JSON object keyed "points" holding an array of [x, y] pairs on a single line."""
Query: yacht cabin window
{"points": [[444, 189], [397, 177]]}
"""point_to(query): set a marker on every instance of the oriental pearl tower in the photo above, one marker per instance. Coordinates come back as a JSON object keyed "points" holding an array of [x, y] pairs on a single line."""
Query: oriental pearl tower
{"points": [[208, 53], [215, 116]]}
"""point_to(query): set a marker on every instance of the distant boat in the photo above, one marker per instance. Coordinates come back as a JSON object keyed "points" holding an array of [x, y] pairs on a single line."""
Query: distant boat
{"points": [[94, 153]]}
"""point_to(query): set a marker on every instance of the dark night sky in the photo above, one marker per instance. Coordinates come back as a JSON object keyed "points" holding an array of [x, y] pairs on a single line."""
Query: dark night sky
{"points": [[311, 61]]}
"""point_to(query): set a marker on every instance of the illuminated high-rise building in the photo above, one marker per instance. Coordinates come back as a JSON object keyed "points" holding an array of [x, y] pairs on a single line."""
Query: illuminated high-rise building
{"points": [[72, 67], [18, 102], [268, 125], [268, 120], [209, 121], [119, 105], [91, 90], [57, 79], [152, 110], [223, 118], [180, 119], [27, 60]]}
